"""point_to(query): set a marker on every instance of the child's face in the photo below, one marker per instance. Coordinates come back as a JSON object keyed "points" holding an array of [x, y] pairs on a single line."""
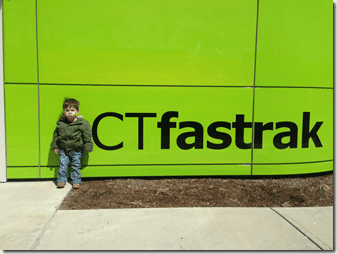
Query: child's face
{"points": [[70, 113]]}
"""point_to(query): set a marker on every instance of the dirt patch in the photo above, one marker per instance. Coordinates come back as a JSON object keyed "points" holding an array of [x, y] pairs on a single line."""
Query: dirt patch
{"points": [[117, 193]]}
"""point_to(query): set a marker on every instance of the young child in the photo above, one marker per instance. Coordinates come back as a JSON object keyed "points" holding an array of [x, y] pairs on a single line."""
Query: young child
{"points": [[72, 134]]}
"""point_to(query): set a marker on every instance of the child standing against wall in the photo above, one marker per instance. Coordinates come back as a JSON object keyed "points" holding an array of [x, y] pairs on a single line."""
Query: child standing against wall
{"points": [[72, 135]]}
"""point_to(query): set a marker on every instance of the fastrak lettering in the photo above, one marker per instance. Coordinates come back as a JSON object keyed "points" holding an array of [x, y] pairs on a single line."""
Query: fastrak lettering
{"points": [[167, 123]]}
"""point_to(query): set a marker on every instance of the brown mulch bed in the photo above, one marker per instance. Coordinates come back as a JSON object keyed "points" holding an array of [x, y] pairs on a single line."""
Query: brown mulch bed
{"points": [[308, 191]]}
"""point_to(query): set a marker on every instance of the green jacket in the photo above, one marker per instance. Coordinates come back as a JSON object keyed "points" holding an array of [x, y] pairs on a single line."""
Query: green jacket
{"points": [[72, 136]]}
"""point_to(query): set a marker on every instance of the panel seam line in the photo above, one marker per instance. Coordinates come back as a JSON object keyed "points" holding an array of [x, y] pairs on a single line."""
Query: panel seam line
{"points": [[173, 86], [38, 88], [188, 164], [253, 109], [3, 85]]}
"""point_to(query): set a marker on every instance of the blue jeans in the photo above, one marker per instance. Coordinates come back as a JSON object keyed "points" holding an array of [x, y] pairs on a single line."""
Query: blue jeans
{"points": [[75, 158]]}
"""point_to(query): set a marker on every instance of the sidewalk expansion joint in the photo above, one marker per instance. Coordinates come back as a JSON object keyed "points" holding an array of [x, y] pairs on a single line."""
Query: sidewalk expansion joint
{"points": [[297, 228], [34, 245]]}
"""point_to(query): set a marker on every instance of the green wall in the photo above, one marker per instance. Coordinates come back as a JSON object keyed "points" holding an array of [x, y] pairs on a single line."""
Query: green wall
{"points": [[210, 63]]}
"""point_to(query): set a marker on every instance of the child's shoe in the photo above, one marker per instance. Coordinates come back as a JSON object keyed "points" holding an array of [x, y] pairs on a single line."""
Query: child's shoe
{"points": [[76, 186], [61, 185]]}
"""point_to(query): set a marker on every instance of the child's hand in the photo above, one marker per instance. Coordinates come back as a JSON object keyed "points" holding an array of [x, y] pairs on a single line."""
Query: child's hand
{"points": [[57, 150]]}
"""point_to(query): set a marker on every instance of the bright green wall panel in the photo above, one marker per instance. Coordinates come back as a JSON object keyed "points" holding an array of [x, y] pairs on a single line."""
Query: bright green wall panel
{"points": [[295, 43], [22, 134], [289, 169], [148, 42], [51, 172], [22, 172], [203, 105], [288, 104], [19, 34], [179, 170]]}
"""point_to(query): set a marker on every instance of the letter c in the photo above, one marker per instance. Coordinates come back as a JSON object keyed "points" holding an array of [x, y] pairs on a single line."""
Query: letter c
{"points": [[94, 131]]}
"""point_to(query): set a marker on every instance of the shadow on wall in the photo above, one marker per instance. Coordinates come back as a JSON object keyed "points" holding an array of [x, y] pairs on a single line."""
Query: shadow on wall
{"points": [[53, 159]]}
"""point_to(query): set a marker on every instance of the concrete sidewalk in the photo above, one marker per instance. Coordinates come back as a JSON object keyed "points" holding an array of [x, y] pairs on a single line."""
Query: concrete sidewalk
{"points": [[30, 220]]}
